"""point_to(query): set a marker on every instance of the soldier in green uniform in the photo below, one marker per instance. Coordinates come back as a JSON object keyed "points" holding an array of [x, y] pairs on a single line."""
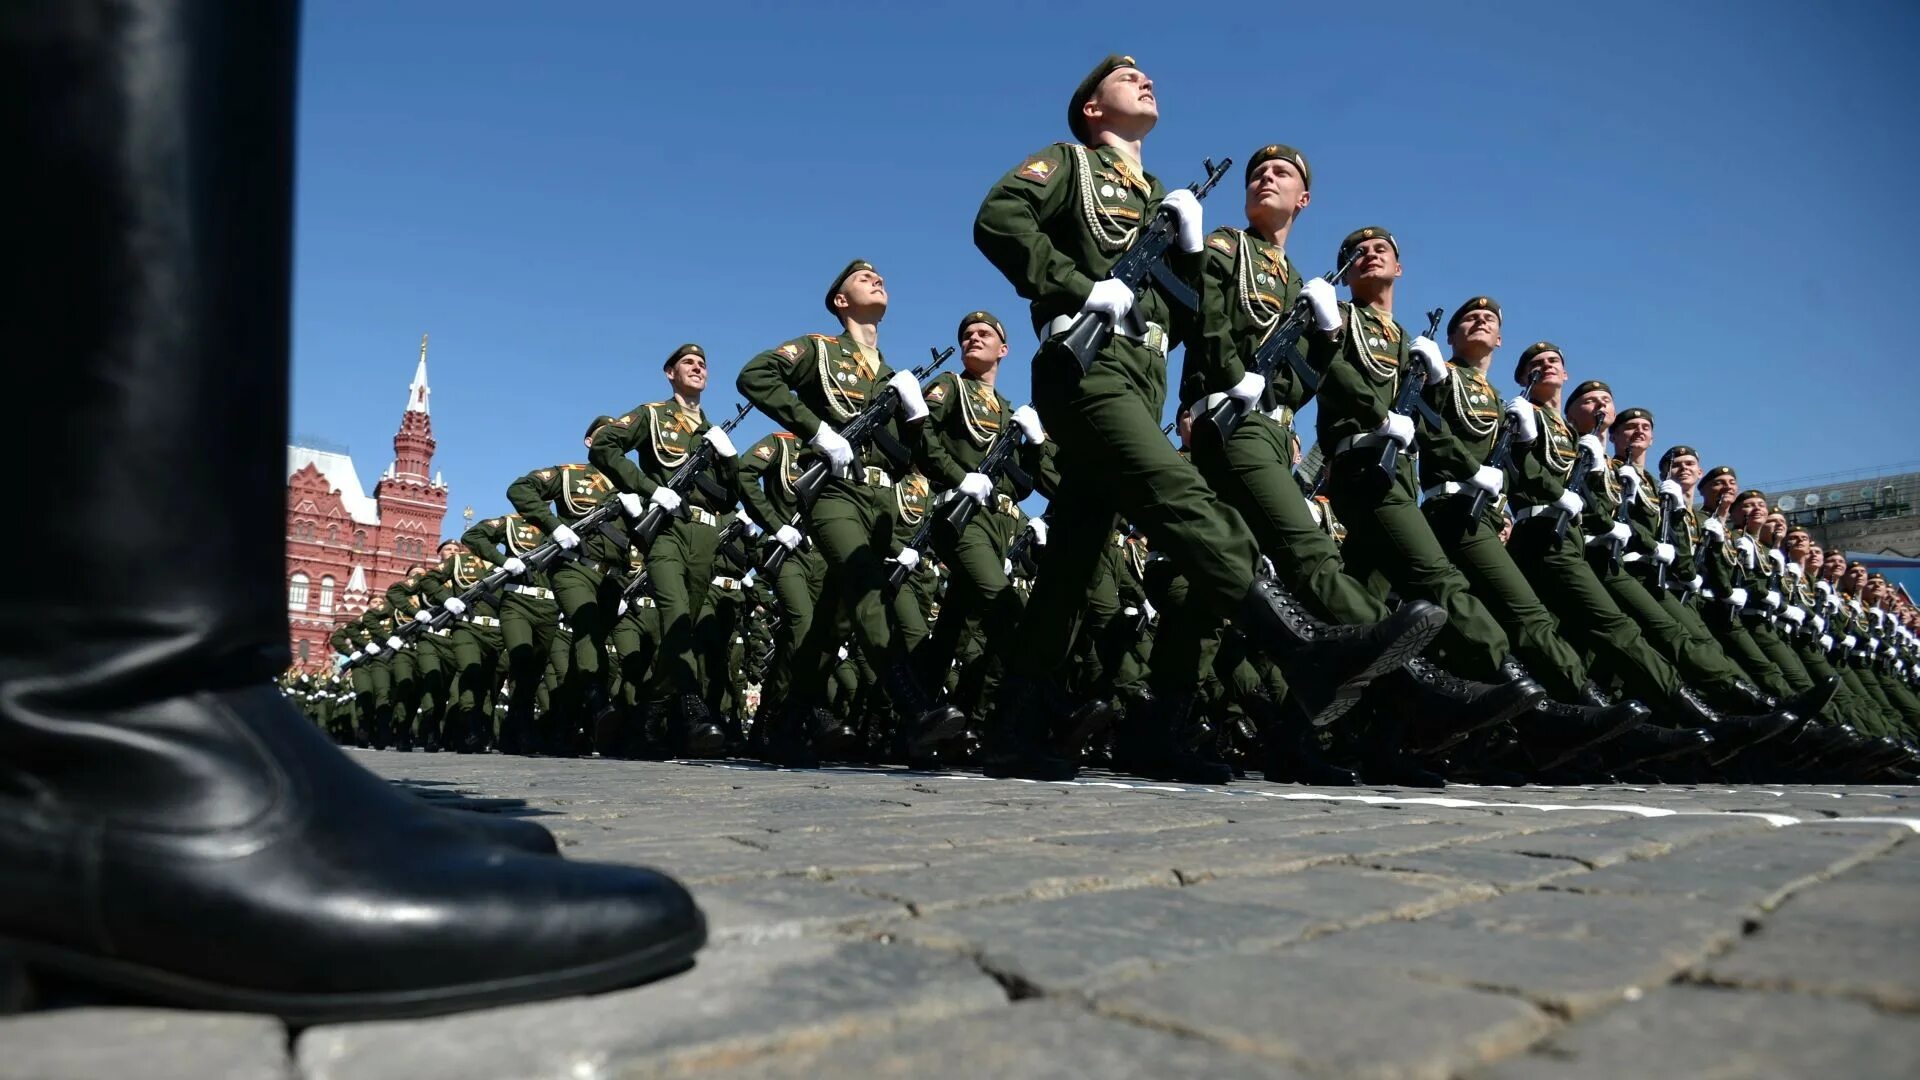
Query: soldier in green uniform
{"points": [[1055, 225], [476, 640], [664, 434], [627, 731], [413, 668], [1723, 593], [346, 647], [528, 617], [373, 673], [587, 583], [968, 415], [768, 471], [809, 385]]}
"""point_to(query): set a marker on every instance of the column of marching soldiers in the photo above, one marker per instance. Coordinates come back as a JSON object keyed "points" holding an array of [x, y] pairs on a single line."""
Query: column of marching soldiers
{"points": [[1467, 588]]}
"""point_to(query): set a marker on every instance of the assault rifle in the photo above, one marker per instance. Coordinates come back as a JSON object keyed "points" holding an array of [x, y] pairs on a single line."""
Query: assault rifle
{"points": [[858, 432], [1411, 386], [1582, 469], [699, 461], [1665, 535], [1501, 458], [1090, 331], [1622, 515], [1276, 348], [731, 532]]}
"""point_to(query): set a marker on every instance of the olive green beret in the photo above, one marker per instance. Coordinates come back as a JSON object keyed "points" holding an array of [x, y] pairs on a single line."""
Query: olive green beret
{"points": [[841, 279], [1358, 236], [1716, 472], [1678, 451], [598, 422], [972, 317], [1588, 387], [1635, 413], [1077, 123], [1527, 355], [1285, 153], [1478, 303], [1750, 493], [674, 356]]}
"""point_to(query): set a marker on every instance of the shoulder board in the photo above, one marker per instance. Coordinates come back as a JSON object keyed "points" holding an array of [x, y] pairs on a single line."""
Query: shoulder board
{"points": [[653, 404], [785, 435], [574, 467], [1222, 241], [823, 337], [545, 474], [764, 453], [494, 522], [624, 420], [1042, 167]]}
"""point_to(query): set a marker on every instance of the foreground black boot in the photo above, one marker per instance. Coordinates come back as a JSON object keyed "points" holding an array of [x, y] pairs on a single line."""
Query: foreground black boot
{"points": [[1289, 752], [928, 725], [692, 732], [790, 741], [1731, 734], [1170, 744], [171, 830], [1553, 733], [1441, 710], [1813, 700], [1328, 667], [1016, 745]]}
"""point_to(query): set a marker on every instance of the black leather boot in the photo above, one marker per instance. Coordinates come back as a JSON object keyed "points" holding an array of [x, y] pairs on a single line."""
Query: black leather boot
{"points": [[928, 725], [1814, 700], [1441, 710], [692, 732], [1016, 745], [1290, 752], [1731, 734], [790, 742], [1170, 746], [1553, 733], [171, 829], [1328, 667]]}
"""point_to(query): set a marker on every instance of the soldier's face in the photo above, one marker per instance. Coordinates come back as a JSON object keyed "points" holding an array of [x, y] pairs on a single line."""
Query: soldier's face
{"points": [[1833, 566], [1684, 469], [1797, 544], [1776, 526], [1123, 103], [1584, 412], [1633, 437], [688, 374], [1377, 262], [1276, 188], [1855, 577], [981, 349], [1720, 487], [1476, 328], [451, 548], [1183, 426], [1750, 514], [864, 290], [1553, 374]]}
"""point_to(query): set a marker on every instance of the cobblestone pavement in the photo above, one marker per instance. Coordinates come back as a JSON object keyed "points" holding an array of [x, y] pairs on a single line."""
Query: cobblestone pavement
{"points": [[872, 922]]}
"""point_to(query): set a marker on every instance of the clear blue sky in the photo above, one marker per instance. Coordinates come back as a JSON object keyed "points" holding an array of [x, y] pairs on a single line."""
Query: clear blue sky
{"points": [[1708, 204]]}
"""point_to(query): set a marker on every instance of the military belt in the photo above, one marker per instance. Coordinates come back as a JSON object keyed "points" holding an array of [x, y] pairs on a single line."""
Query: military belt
{"points": [[877, 477], [1441, 491], [482, 620], [641, 601], [1361, 442], [1153, 337], [444, 631], [534, 591], [1004, 504], [703, 517], [1279, 414], [728, 583]]}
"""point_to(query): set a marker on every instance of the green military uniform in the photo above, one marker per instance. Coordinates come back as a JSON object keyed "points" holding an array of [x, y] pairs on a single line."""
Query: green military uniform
{"points": [[373, 675], [680, 560], [587, 581], [477, 643], [1723, 580], [768, 472], [528, 614], [636, 642], [434, 660]]}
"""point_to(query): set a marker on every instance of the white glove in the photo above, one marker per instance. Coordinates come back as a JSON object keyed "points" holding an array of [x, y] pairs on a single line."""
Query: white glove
{"points": [[1663, 554], [1672, 490], [1619, 533], [357, 654], [395, 644], [843, 652], [1795, 614], [1796, 570], [1773, 599], [788, 537], [912, 405], [373, 648], [1039, 527], [455, 605], [1396, 427], [1737, 597], [1029, 422], [566, 538], [1819, 625], [1713, 526], [1779, 560], [1826, 642], [838, 451], [1597, 454], [1186, 211], [423, 616], [1699, 582], [1628, 476], [1318, 293], [514, 566], [1153, 615], [1849, 641], [1248, 389], [1111, 298], [722, 442], [622, 609], [977, 487], [1571, 503], [631, 505], [752, 529], [908, 558], [1525, 420], [665, 498], [1006, 567], [1488, 479], [1428, 353], [1747, 546]]}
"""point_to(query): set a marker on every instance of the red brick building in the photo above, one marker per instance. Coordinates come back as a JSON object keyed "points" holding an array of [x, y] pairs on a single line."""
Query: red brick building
{"points": [[344, 546]]}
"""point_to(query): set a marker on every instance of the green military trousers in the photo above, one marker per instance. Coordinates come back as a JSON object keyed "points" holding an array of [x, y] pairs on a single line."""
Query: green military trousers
{"points": [[1592, 621], [1700, 663], [1114, 460], [680, 566], [852, 525], [477, 643], [636, 644], [1388, 536], [980, 605], [373, 700], [1504, 588], [529, 619], [1778, 651], [796, 589], [589, 596]]}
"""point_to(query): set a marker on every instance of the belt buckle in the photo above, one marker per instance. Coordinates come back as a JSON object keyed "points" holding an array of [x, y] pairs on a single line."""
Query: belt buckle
{"points": [[1155, 338]]}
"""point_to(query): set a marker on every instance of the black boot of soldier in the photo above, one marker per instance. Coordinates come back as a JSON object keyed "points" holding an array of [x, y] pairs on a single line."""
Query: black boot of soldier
{"points": [[1166, 742], [1440, 710], [1553, 733], [928, 725], [1290, 750], [189, 837], [1812, 701], [1328, 667], [691, 731], [1016, 744], [1731, 734], [790, 737]]}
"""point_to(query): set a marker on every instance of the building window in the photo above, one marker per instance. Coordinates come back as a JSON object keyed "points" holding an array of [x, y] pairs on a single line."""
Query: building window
{"points": [[303, 653], [333, 534], [297, 592], [326, 595], [359, 539]]}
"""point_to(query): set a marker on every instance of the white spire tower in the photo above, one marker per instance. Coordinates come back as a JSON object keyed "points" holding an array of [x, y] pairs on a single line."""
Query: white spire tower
{"points": [[418, 391]]}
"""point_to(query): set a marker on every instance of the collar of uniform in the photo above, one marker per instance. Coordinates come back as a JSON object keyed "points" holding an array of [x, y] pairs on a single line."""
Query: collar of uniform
{"points": [[1121, 162]]}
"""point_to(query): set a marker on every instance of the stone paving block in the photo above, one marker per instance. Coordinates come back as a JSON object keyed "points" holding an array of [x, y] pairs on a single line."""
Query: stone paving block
{"points": [[1003, 875], [1692, 1031], [1855, 939], [1331, 1019], [1059, 944], [1594, 848], [736, 1001], [1498, 869], [1035, 1040], [1751, 870], [1344, 896], [1680, 929], [148, 1044], [770, 909]]}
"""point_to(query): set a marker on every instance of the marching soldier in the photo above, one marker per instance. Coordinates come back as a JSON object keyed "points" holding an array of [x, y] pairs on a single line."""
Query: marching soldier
{"points": [[528, 620], [680, 560], [768, 472], [475, 637], [810, 385]]}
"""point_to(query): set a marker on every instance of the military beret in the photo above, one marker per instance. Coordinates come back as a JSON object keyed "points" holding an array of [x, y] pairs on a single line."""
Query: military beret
{"points": [[972, 317], [1527, 355], [1285, 153], [1716, 472], [1750, 493], [841, 279], [1856, 565], [1358, 236], [1587, 387], [674, 356], [1635, 413], [1677, 451], [1076, 122], [598, 422], [1478, 303]]}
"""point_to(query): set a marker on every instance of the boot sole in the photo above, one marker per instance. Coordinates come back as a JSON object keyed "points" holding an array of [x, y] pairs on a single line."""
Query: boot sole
{"points": [[156, 986], [1407, 646]]}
